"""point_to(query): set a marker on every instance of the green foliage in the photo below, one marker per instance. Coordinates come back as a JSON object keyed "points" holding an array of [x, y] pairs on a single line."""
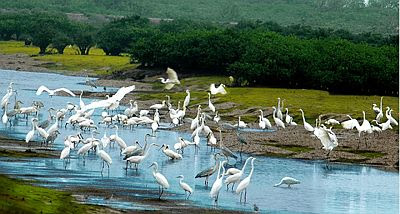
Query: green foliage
{"points": [[83, 37], [379, 16], [60, 41], [117, 36]]}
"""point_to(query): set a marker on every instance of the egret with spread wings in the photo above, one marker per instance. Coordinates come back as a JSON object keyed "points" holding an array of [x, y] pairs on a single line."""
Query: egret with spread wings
{"points": [[172, 79], [53, 92], [110, 101]]}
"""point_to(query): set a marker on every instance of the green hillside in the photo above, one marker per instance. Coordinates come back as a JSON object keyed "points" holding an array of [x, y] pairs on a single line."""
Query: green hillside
{"points": [[379, 16]]}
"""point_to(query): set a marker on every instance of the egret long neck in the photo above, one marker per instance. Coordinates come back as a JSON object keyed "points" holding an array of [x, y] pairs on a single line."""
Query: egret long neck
{"points": [[252, 168], [302, 114], [245, 163]]}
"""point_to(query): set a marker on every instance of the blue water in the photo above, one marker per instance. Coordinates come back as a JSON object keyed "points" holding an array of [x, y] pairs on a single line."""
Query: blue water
{"points": [[341, 188]]}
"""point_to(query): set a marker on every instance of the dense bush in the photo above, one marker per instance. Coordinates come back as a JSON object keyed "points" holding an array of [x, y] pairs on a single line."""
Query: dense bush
{"points": [[260, 58]]}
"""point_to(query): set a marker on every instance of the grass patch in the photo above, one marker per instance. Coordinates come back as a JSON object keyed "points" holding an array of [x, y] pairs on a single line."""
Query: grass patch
{"points": [[96, 62], [292, 148], [313, 102], [19, 197], [368, 154]]}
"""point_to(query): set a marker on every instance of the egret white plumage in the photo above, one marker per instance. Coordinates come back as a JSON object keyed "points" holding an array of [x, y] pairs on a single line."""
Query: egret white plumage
{"points": [[187, 99], [160, 179], [158, 105], [171, 80], [31, 133], [266, 121], [278, 122], [289, 119], [219, 90], [210, 105], [217, 185], [185, 186], [307, 126], [288, 181], [332, 122], [390, 117], [235, 178], [245, 183], [53, 92], [278, 110]]}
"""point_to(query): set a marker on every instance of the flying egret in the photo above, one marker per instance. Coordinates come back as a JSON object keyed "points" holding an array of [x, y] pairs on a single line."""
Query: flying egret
{"points": [[288, 181], [307, 126], [235, 178], [53, 92], [217, 185], [171, 80], [245, 183], [160, 179], [185, 186], [110, 101], [219, 90]]}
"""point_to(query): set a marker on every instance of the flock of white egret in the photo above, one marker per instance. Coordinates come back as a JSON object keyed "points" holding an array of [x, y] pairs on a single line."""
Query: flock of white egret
{"points": [[79, 116]]}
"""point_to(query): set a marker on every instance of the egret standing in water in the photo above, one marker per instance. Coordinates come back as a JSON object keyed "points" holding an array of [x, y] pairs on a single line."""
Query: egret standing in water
{"points": [[245, 183], [185, 186], [160, 179], [217, 185], [288, 181]]}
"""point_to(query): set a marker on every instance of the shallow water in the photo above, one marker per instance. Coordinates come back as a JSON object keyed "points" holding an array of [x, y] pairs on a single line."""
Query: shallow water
{"points": [[343, 188]]}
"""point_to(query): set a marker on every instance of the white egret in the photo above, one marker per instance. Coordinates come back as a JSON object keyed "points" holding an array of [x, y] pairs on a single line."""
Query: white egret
{"points": [[172, 79], [104, 156], [53, 92], [65, 152], [389, 116], [307, 126], [240, 124], [219, 90], [332, 122], [131, 149], [118, 139], [138, 158], [116, 98], [31, 133], [266, 121], [217, 185], [216, 118], [160, 179], [245, 183], [278, 110], [235, 178], [350, 124], [187, 99], [277, 121], [185, 186], [158, 105], [210, 105], [288, 181]]}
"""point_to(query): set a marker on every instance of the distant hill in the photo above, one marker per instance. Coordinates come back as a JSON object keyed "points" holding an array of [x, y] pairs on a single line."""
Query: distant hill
{"points": [[379, 16]]}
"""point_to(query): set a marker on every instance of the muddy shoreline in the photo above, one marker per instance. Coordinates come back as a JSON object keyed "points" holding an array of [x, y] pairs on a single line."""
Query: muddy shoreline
{"points": [[293, 142]]}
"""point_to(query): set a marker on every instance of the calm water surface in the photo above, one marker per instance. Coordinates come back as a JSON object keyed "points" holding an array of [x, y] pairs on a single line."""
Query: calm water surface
{"points": [[342, 188]]}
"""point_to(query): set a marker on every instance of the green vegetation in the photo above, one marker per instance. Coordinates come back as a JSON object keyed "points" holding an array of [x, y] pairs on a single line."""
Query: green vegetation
{"points": [[96, 62], [379, 16], [292, 148], [368, 154], [19, 197], [257, 57], [313, 102]]}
